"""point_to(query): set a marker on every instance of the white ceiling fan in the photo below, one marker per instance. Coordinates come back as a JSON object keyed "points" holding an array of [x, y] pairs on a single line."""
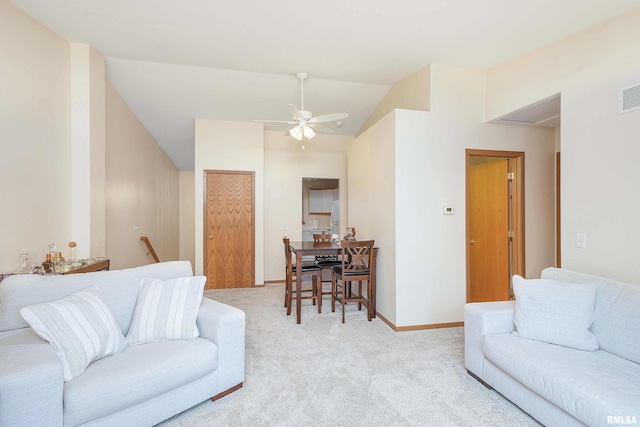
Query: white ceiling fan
{"points": [[304, 120]]}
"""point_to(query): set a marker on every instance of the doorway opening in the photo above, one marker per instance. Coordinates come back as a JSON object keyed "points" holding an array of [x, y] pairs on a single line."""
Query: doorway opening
{"points": [[320, 206], [494, 223]]}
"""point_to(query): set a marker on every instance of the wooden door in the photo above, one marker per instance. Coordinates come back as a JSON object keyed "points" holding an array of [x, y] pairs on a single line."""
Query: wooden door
{"points": [[229, 236], [489, 231]]}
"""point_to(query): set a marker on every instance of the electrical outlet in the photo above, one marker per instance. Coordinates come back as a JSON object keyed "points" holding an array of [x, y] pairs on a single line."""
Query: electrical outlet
{"points": [[581, 240], [273, 265]]}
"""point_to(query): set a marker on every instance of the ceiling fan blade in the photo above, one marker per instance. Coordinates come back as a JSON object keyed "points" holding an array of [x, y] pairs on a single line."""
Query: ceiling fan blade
{"points": [[297, 114], [328, 118], [323, 127], [277, 121]]}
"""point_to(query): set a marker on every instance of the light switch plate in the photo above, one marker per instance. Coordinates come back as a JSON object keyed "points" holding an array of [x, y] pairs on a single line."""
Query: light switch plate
{"points": [[581, 240]]}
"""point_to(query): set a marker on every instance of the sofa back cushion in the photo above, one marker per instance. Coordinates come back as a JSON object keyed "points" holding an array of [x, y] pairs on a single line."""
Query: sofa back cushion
{"points": [[119, 289], [617, 318], [555, 312]]}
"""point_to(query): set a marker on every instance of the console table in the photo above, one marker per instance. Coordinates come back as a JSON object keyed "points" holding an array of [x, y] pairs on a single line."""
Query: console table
{"points": [[96, 266]]}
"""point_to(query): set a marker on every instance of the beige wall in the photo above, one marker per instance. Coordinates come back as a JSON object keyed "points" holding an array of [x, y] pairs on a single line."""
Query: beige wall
{"points": [[600, 176], [187, 217], [123, 176], [142, 190], [436, 169], [599, 146], [98, 135], [285, 164], [411, 93], [549, 70], [35, 138], [372, 203], [88, 223], [429, 172], [239, 146]]}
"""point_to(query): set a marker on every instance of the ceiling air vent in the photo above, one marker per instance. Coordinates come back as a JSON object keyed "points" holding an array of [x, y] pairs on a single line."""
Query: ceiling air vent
{"points": [[629, 98]]}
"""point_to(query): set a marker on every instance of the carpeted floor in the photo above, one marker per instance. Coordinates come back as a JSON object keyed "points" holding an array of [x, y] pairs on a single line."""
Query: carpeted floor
{"points": [[325, 373]]}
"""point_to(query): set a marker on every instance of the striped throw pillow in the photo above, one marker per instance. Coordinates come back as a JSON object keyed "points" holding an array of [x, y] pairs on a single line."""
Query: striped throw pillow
{"points": [[80, 327], [166, 310]]}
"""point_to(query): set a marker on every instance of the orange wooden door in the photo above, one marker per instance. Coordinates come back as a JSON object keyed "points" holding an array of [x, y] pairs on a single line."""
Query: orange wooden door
{"points": [[229, 229], [489, 228]]}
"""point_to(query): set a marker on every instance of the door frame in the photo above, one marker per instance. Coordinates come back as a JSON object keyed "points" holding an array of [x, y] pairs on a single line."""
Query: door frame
{"points": [[518, 242], [558, 234], [205, 252]]}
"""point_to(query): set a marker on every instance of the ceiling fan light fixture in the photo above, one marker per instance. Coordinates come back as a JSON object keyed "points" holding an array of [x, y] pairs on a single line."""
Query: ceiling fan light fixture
{"points": [[308, 132], [296, 132], [302, 118]]}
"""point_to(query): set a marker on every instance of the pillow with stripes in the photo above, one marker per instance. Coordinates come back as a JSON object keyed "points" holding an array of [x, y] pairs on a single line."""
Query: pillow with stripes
{"points": [[80, 327], [166, 310]]}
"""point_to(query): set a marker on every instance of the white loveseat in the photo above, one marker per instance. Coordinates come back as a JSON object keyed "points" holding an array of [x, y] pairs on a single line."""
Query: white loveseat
{"points": [[141, 385], [558, 385]]}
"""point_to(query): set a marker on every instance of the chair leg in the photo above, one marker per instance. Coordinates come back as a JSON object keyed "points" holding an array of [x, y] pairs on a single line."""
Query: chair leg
{"points": [[344, 296], [318, 292], [288, 292], [319, 279], [333, 293], [360, 294], [320, 288], [314, 288], [369, 300]]}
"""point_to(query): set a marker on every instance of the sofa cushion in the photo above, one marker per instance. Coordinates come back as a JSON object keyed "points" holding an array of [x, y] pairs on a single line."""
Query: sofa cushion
{"points": [[119, 288], [591, 386], [166, 310], [617, 317], [80, 327], [136, 375], [555, 312]]}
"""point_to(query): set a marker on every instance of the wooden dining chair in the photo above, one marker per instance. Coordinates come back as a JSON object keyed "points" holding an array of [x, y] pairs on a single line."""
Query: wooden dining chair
{"points": [[357, 256], [290, 276], [325, 262]]}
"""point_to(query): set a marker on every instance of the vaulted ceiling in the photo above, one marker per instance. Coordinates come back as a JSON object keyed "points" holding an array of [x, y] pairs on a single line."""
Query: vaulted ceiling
{"points": [[177, 60]]}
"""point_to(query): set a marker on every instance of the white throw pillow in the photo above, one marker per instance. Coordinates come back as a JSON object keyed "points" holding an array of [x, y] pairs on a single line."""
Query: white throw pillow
{"points": [[555, 312], [166, 310], [80, 327]]}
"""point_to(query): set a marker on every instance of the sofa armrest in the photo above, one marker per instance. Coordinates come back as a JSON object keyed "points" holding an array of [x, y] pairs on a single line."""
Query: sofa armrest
{"points": [[225, 326], [480, 319], [31, 385]]}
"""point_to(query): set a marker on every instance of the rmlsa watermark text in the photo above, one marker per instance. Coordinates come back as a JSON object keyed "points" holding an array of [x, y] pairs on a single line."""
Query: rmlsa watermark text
{"points": [[622, 419]]}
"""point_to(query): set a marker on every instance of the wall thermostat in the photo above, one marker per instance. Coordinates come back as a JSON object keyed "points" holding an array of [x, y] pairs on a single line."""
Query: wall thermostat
{"points": [[449, 210]]}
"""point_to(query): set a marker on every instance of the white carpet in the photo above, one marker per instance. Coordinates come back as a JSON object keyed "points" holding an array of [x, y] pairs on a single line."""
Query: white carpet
{"points": [[325, 373]]}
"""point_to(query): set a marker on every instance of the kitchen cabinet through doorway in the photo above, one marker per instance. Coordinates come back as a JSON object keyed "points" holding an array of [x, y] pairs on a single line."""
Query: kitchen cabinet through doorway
{"points": [[320, 201]]}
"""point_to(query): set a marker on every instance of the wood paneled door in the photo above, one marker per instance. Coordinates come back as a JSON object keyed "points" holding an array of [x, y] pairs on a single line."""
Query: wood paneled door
{"points": [[488, 201], [495, 223], [229, 231]]}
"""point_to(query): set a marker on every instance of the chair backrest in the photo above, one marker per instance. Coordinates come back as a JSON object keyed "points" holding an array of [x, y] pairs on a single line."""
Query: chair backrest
{"points": [[357, 255], [287, 252], [326, 237]]}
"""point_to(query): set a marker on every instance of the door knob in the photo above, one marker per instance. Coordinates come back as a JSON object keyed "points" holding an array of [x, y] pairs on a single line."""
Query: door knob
{"points": [[471, 242], [210, 237]]}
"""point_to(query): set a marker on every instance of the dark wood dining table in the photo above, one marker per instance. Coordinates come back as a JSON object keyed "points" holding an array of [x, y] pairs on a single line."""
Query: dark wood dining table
{"points": [[302, 249]]}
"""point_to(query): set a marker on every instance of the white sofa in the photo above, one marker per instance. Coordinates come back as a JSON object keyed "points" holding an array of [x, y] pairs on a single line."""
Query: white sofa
{"points": [[557, 385], [140, 386]]}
